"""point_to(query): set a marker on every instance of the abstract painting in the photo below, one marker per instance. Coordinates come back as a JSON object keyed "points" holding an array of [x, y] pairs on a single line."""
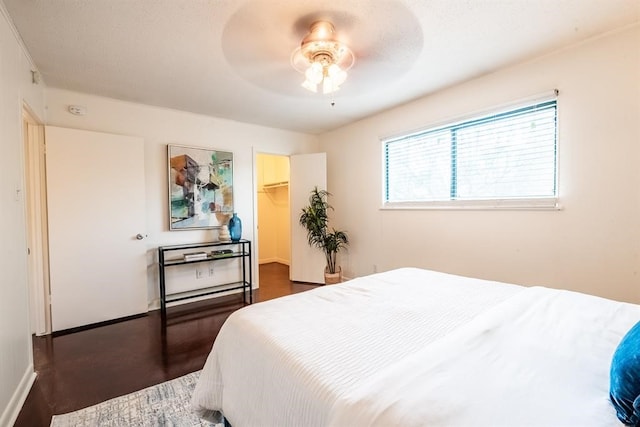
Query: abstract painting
{"points": [[200, 187]]}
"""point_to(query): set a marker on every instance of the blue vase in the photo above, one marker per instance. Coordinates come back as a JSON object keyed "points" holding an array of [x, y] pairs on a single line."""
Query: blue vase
{"points": [[235, 228]]}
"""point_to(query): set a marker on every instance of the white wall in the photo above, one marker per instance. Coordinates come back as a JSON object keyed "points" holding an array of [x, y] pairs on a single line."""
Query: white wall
{"points": [[16, 361], [160, 127], [592, 245]]}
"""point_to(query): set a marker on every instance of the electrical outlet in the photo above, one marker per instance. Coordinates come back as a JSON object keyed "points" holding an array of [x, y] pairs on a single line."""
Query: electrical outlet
{"points": [[210, 270], [199, 273]]}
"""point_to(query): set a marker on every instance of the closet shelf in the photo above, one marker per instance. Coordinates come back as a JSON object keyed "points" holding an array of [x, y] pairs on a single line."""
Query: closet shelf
{"points": [[275, 185]]}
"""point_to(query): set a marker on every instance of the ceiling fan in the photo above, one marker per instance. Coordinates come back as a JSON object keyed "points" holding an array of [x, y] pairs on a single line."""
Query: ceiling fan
{"points": [[270, 46]]}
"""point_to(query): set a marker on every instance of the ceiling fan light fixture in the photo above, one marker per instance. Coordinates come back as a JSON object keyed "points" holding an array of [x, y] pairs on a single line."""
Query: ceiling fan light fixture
{"points": [[314, 73], [329, 86], [336, 74], [322, 58], [310, 86]]}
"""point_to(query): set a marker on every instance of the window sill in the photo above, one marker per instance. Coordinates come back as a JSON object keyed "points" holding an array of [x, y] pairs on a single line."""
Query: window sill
{"points": [[546, 204]]}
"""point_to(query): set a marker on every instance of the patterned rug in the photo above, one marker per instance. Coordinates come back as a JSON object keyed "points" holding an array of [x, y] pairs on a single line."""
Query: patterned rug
{"points": [[166, 404]]}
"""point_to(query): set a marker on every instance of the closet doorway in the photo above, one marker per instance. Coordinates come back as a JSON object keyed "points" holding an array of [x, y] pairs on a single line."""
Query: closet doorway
{"points": [[274, 228]]}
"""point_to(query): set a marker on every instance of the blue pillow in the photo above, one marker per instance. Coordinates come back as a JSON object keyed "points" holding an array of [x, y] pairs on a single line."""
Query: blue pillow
{"points": [[624, 388]]}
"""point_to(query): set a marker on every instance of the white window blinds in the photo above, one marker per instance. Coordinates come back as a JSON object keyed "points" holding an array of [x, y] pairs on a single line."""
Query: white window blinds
{"points": [[509, 155]]}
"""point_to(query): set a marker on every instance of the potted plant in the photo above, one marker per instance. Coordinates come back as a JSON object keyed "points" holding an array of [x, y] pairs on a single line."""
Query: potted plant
{"points": [[315, 219]]}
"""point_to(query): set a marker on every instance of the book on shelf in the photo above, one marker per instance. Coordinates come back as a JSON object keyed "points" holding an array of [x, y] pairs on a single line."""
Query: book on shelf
{"points": [[222, 252], [195, 256]]}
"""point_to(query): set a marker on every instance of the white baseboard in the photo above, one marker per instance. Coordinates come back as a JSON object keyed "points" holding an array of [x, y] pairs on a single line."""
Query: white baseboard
{"points": [[274, 259], [11, 412]]}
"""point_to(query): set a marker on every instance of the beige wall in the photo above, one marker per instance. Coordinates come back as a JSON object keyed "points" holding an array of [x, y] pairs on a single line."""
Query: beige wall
{"points": [[273, 209], [16, 87], [160, 127], [591, 245]]}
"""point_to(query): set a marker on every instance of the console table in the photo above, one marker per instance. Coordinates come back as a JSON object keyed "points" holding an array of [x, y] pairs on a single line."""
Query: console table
{"points": [[169, 256]]}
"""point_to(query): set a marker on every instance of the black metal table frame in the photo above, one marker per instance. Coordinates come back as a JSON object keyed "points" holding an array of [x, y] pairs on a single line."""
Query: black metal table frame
{"points": [[244, 254]]}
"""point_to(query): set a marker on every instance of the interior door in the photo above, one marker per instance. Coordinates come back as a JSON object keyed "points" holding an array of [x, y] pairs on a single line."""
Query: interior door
{"points": [[96, 206], [37, 259], [306, 172]]}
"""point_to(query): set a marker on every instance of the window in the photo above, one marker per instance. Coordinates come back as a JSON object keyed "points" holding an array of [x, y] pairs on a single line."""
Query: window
{"points": [[507, 159]]}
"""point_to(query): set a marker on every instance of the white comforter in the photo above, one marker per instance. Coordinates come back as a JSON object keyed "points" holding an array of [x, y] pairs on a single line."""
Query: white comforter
{"points": [[398, 348]]}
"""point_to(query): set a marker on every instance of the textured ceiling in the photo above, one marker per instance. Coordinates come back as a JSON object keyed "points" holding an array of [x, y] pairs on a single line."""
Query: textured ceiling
{"points": [[231, 59]]}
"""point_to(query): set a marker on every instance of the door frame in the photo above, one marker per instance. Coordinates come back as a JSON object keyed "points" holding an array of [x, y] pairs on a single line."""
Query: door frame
{"points": [[36, 222], [256, 238]]}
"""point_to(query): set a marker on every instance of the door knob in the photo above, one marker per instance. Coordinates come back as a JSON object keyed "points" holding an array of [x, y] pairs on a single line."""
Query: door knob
{"points": [[140, 236]]}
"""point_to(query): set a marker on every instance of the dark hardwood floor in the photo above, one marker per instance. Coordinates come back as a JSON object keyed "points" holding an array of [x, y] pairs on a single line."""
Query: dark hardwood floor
{"points": [[83, 368]]}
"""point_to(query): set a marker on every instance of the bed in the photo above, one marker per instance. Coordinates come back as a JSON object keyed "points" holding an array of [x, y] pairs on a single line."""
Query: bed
{"points": [[414, 347]]}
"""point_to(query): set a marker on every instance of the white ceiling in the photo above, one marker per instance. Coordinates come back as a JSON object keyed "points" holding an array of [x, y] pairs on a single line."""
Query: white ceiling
{"points": [[231, 59]]}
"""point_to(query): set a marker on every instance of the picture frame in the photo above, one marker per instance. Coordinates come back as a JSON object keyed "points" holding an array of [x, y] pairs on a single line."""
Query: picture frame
{"points": [[200, 187]]}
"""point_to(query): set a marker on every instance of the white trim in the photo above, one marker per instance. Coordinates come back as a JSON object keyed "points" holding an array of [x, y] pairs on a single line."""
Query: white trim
{"points": [[272, 260], [11, 412], [36, 220], [16, 34], [551, 203]]}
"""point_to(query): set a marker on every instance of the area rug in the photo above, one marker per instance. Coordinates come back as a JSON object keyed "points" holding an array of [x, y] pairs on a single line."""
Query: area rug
{"points": [[166, 404]]}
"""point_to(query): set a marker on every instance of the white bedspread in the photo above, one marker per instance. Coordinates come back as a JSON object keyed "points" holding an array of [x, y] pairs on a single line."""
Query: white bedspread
{"points": [[398, 348], [542, 359]]}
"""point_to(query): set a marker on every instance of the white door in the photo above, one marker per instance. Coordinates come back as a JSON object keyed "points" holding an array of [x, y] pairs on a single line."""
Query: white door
{"points": [[306, 172], [38, 262], [96, 205]]}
